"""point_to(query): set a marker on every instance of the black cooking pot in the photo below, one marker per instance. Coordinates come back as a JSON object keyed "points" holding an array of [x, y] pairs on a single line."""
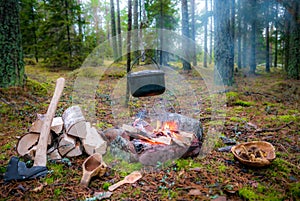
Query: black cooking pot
{"points": [[146, 82]]}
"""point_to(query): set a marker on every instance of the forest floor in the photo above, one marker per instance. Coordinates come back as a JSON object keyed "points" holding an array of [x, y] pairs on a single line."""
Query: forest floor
{"points": [[260, 107]]}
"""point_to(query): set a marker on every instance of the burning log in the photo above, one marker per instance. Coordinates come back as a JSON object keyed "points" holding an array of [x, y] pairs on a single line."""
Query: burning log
{"points": [[74, 121]]}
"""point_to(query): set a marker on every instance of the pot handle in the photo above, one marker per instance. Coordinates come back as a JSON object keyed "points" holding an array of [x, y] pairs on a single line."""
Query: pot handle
{"points": [[137, 58]]}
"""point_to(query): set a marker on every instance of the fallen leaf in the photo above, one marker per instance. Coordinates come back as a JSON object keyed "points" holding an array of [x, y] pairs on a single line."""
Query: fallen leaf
{"points": [[39, 188], [195, 192], [196, 169]]}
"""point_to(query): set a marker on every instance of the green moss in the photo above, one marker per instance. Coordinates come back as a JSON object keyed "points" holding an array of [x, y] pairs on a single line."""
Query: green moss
{"points": [[222, 168], [136, 192], [260, 193], [216, 123], [40, 89], [30, 61], [243, 103], [49, 180], [105, 185], [287, 118], [104, 125], [269, 104], [6, 147], [248, 194], [182, 163], [58, 172], [280, 167], [291, 112], [295, 190], [232, 95], [57, 192], [238, 119], [5, 109], [168, 194]]}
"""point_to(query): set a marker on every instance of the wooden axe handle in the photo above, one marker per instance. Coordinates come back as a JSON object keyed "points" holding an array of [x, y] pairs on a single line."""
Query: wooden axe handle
{"points": [[40, 158]]}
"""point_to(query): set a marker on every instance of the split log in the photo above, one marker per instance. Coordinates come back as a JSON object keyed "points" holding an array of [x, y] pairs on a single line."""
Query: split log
{"points": [[66, 144], [77, 151], [53, 154], [37, 124], [27, 144], [74, 122], [132, 129], [56, 125], [93, 143]]}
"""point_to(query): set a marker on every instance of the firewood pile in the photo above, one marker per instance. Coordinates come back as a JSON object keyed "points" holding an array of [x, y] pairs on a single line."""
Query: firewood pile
{"points": [[70, 136], [173, 137]]}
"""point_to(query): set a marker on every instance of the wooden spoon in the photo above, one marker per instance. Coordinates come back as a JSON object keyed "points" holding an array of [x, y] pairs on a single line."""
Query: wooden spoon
{"points": [[129, 179]]}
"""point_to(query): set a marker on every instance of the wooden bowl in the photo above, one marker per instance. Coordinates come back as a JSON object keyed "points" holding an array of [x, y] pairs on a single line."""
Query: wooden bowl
{"points": [[265, 147]]}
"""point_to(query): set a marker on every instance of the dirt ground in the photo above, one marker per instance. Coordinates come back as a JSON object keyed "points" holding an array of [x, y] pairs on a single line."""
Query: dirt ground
{"points": [[258, 107]]}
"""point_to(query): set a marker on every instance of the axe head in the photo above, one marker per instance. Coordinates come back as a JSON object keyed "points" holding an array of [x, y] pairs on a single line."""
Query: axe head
{"points": [[17, 170]]}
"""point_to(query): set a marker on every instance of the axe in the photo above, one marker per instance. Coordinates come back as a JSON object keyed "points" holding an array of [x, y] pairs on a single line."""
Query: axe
{"points": [[17, 170]]}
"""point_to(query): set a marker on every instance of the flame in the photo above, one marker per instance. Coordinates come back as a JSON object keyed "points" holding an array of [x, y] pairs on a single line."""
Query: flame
{"points": [[170, 125]]}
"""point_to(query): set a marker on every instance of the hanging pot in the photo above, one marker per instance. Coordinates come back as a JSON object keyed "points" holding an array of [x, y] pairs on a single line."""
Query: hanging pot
{"points": [[147, 82]]}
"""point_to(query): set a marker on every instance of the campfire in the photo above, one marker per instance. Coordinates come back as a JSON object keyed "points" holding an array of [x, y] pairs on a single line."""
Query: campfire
{"points": [[176, 137]]}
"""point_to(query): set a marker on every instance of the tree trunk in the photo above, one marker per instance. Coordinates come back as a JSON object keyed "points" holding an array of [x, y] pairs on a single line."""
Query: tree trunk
{"points": [[185, 32], [119, 29], [239, 36], [113, 30], [161, 38], [135, 28], [129, 34], [244, 36], [294, 56], [128, 46], [205, 37], [276, 38], [223, 44], [267, 39], [68, 33], [267, 48], [252, 61], [287, 40], [79, 21], [211, 34], [11, 53], [34, 34], [232, 32], [193, 31]]}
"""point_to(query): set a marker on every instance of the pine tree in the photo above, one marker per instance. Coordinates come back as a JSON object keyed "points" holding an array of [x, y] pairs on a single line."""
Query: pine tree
{"points": [[185, 32], [223, 43], [252, 59], [11, 54], [113, 30], [205, 36]]}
